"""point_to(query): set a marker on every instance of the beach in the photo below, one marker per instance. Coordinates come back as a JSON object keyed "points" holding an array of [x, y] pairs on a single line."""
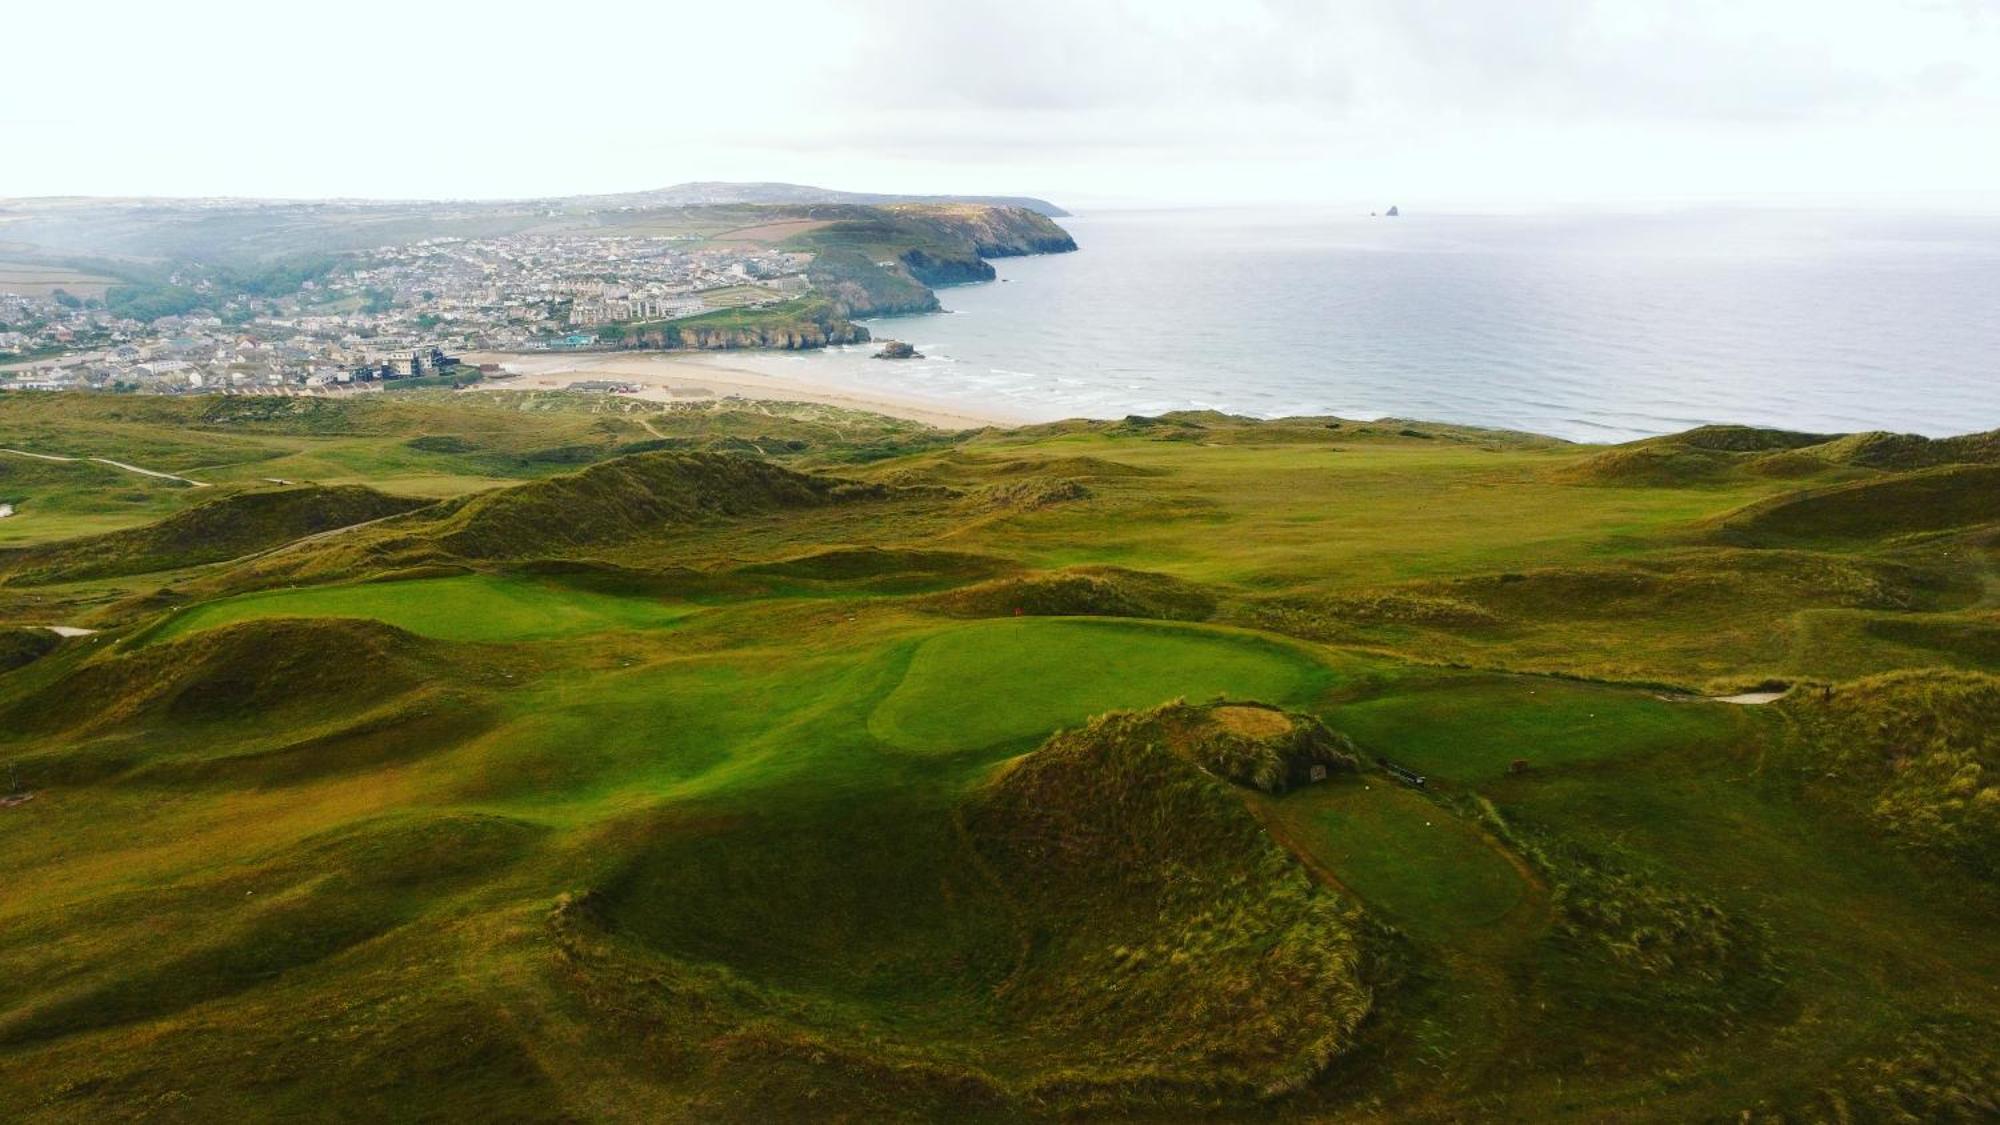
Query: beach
{"points": [[701, 376]]}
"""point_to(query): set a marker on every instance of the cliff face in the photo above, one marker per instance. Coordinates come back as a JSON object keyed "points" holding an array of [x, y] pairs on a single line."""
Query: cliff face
{"points": [[779, 337], [779, 333], [870, 261], [995, 232], [946, 269], [861, 287]]}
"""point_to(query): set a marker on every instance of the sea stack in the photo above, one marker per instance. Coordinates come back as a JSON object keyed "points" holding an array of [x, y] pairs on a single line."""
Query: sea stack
{"points": [[1392, 212], [896, 349]]}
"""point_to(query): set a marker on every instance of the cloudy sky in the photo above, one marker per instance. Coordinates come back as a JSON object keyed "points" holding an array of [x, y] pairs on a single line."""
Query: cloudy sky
{"points": [[1464, 103]]}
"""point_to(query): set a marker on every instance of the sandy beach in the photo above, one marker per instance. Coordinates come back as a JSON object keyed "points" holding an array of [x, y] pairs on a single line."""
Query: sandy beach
{"points": [[698, 376]]}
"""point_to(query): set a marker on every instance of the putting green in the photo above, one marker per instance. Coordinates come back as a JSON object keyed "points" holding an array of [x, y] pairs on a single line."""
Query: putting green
{"points": [[473, 607], [998, 681]]}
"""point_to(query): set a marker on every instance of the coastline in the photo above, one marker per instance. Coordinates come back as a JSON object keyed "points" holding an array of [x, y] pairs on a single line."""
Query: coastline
{"points": [[708, 376]]}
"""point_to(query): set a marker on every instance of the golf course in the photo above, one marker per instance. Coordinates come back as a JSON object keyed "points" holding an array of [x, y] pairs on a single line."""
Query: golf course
{"points": [[561, 756]]}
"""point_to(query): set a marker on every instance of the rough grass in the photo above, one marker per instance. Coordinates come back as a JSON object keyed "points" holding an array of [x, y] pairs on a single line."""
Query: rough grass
{"points": [[1102, 591], [462, 608], [1165, 920], [20, 646], [1932, 500], [224, 528], [1094, 927], [632, 497], [255, 670], [1916, 753]]}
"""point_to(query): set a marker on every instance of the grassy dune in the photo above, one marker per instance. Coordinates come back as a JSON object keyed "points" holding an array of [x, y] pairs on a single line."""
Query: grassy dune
{"points": [[473, 607], [761, 763]]}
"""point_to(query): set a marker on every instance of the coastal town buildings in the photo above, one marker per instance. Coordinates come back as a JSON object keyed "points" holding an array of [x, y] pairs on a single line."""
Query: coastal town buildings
{"points": [[386, 314]]}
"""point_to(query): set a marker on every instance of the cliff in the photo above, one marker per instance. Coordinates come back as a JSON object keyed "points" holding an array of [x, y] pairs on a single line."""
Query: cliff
{"points": [[867, 261], [993, 232], [812, 322]]}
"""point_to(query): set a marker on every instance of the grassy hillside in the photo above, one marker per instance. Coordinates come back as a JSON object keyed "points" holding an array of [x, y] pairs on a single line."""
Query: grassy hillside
{"points": [[223, 528], [774, 763]]}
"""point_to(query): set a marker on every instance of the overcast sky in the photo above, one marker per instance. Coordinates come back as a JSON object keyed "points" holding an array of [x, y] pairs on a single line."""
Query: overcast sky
{"points": [[1466, 103]]}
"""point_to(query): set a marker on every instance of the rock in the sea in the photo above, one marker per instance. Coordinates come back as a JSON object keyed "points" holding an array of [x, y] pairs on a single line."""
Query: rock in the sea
{"points": [[1392, 212], [896, 349]]}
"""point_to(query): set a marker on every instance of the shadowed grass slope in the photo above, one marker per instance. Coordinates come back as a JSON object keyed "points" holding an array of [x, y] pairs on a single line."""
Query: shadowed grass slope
{"points": [[1099, 591], [224, 528], [1932, 500], [1916, 753], [629, 498], [1100, 924]]}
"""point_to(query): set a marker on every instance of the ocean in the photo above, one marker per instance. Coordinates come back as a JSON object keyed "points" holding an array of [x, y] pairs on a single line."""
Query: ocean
{"points": [[1592, 327]]}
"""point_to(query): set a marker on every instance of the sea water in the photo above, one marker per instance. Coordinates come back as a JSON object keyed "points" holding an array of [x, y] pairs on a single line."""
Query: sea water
{"points": [[1596, 327]]}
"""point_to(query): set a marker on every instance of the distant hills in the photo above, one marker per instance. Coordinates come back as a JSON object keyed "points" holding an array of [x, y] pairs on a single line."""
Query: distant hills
{"points": [[705, 193]]}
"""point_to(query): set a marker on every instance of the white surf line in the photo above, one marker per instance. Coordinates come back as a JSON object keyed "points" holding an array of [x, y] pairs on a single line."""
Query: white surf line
{"points": [[107, 461]]}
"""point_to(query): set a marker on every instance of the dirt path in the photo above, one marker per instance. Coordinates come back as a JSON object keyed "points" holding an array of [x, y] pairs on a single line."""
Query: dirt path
{"points": [[108, 461], [305, 539]]}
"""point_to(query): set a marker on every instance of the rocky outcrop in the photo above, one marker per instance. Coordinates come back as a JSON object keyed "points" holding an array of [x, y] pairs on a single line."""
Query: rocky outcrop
{"points": [[781, 337], [790, 335], [941, 269]]}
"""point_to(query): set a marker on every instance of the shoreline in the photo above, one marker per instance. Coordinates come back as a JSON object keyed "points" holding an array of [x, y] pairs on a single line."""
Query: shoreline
{"points": [[710, 377]]}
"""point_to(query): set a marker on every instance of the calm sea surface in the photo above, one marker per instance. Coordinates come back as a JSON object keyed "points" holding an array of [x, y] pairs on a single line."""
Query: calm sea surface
{"points": [[1597, 328]]}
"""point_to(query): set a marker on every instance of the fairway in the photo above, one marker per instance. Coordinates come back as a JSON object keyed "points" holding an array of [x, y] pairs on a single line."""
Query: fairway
{"points": [[1470, 728], [1430, 872], [474, 607], [997, 681]]}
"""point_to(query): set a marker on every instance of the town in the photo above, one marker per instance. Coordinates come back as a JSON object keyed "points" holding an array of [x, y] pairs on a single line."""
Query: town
{"points": [[399, 315]]}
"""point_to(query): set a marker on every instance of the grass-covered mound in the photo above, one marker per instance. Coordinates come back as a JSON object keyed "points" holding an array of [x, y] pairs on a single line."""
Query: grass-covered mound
{"points": [[1879, 450], [1917, 753], [1687, 616], [1653, 466], [262, 703], [21, 645], [1028, 494], [224, 528], [879, 569], [1634, 950], [1172, 946], [1098, 925], [1257, 746], [629, 498], [255, 670], [1098, 591], [470, 607], [242, 926], [1077, 466], [1945, 499]]}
